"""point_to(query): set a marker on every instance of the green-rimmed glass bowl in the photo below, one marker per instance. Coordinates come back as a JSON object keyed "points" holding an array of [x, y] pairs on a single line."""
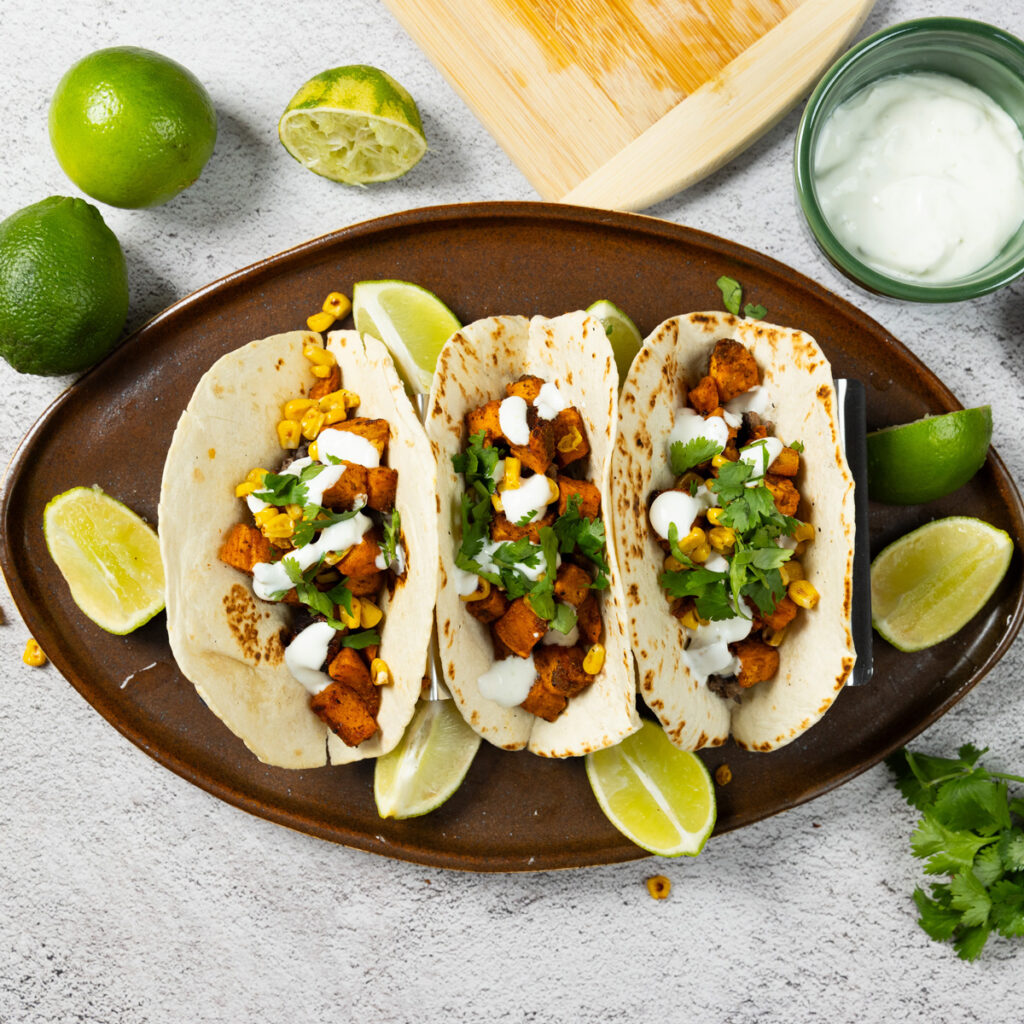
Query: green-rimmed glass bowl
{"points": [[979, 54]]}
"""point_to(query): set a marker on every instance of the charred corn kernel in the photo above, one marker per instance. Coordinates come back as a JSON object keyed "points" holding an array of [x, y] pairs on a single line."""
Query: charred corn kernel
{"points": [[334, 557], [335, 415], [380, 673], [690, 619], [256, 476], [289, 433], [245, 489], [332, 400], [350, 621], [659, 887], [265, 515], [723, 775], [553, 492], [311, 424], [714, 516], [701, 553], [570, 440], [774, 637], [294, 409], [337, 305], [722, 538], [318, 355], [593, 661], [294, 511], [483, 590], [694, 539], [805, 531], [33, 654], [791, 570], [314, 451], [320, 321], [351, 399], [369, 614], [672, 564], [803, 593], [321, 372], [718, 461], [511, 478], [280, 527], [496, 502]]}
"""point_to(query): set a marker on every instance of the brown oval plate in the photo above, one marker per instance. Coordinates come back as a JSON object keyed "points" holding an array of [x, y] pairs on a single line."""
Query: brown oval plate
{"points": [[515, 811]]}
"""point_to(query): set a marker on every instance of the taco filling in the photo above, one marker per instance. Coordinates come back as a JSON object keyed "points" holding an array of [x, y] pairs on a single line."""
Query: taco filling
{"points": [[729, 527], [324, 536], [532, 553]]}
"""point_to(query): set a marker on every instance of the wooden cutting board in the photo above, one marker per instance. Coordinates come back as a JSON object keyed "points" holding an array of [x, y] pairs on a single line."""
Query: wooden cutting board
{"points": [[621, 103]]}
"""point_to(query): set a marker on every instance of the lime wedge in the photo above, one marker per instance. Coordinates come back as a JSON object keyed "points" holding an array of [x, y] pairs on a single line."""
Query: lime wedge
{"points": [[933, 581], [660, 797], [412, 322], [353, 124], [429, 763], [929, 458], [621, 331], [109, 556]]}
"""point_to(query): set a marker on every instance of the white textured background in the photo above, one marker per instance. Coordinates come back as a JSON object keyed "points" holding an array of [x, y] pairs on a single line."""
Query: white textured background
{"points": [[126, 895]]}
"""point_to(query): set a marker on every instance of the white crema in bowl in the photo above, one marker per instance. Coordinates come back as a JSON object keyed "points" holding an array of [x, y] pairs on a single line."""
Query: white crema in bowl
{"points": [[921, 176]]}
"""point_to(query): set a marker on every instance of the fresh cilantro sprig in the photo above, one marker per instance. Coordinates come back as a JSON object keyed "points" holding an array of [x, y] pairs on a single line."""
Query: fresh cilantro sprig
{"points": [[358, 641], [288, 488], [322, 602], [316, 518], [392, 535], [732, 296], [972, 830], [683, 456], [477, 462], [576, 532]]}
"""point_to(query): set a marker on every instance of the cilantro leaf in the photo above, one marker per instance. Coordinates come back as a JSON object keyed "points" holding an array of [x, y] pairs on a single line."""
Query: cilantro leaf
{"points": [[937, 918], [754, 311], [1008, 907], [732, 294], [288, 488], [477, 462], [684, 456], [542, 594], [970, 897], [564, 618], [315, 518], [392, 533], [357, 641], [575, 532]]}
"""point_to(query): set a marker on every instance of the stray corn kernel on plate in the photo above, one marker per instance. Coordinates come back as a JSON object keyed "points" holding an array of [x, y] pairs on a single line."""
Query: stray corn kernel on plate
{"points": [[513, 811]]}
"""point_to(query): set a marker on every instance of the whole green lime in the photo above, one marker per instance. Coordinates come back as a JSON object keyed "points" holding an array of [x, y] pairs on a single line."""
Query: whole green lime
{"points": [[929, 458], [130, 127], [63, 287]]}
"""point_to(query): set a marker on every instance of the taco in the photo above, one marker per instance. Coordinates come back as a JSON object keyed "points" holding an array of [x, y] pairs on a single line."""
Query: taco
{"points": [[734, 522], [299, 539], [529, 615]]}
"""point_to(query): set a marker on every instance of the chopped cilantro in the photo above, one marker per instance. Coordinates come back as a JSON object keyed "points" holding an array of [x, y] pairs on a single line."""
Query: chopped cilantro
{"points": [[288, 488], [542, 593], [732, 294], [683, 457], [315, 518], [575, 532], [564, 618], [320, 601], [754, 311], [477, 462], [972, 830], [797, 446], [392, 533], [364, 638]]}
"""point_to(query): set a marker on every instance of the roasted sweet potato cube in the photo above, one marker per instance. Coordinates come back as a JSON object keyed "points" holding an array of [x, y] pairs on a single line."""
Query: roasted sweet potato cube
{"points": [[377, 432], [785, 612], [502, 529], [520, 628], [787, 463], [244, 546], [588, 618], [540, 450], [366, 586], [381, 488], [361, 560], [560, 669], [572, 584], [526, 387], [486, 418], [349, 668], [758, 661], [543, 702], [489, 609], [501, 651], [589, 495], [787, 497], [328, 384], [571, 442], [369, 652], [733, 369], [704, 397], [346, 711], [350, 486]]}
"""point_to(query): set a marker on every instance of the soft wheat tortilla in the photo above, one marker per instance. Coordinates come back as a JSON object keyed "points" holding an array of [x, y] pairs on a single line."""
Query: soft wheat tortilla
{"points": [[818, 654], [224, 639], [474, 367]]}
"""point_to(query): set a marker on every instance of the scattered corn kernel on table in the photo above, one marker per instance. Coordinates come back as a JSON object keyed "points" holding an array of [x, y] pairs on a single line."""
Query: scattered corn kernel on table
{"points": [[129, 895]]}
